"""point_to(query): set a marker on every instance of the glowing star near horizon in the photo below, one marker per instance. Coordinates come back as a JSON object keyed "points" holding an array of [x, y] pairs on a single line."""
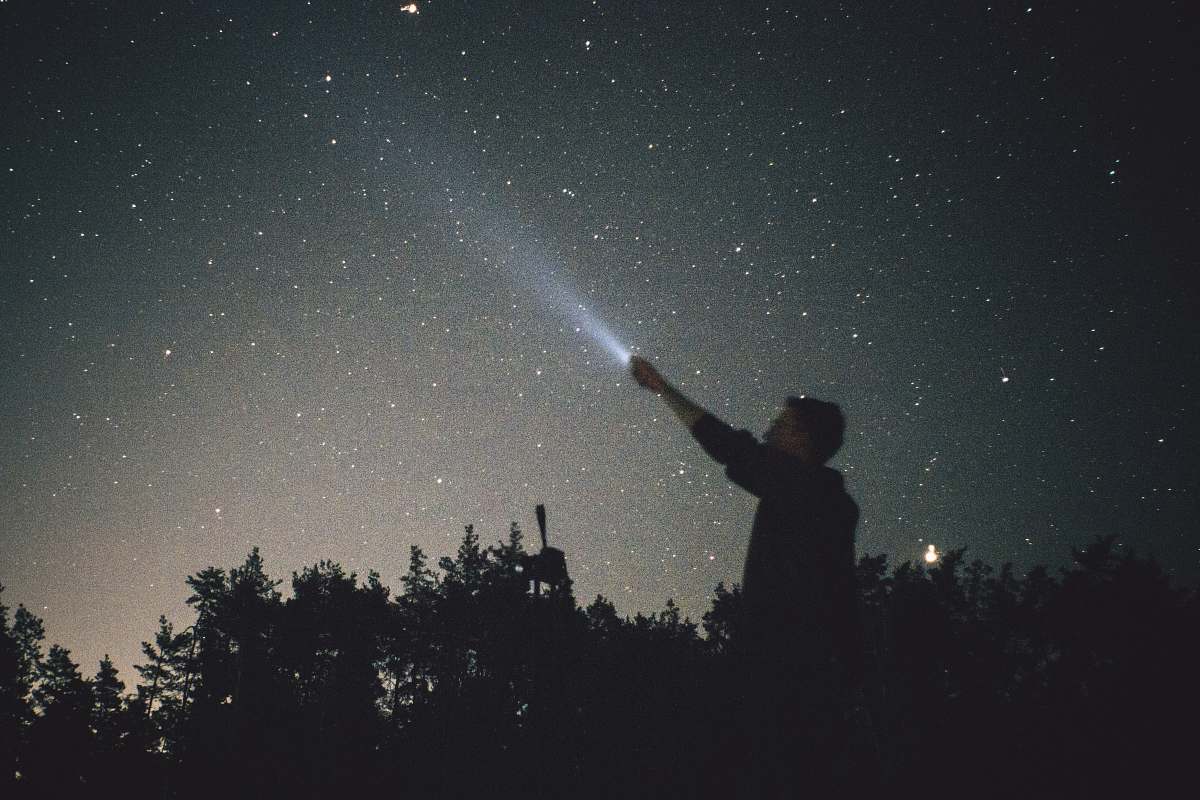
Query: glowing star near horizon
{"points": [[411, 8], [931, 555]]}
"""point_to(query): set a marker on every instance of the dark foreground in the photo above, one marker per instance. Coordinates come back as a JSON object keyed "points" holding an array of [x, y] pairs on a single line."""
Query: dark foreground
{"points": [[976, 682]]}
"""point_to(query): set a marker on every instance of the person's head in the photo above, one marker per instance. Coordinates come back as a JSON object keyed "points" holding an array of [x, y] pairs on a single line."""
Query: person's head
{"points": [[809, 429]]}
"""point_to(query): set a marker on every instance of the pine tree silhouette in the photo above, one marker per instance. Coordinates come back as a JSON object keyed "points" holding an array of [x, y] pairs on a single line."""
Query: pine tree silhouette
{"points": [[466, 684]]}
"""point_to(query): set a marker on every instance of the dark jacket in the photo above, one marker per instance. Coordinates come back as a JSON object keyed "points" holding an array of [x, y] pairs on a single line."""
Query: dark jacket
{"points": [[798, 583]]}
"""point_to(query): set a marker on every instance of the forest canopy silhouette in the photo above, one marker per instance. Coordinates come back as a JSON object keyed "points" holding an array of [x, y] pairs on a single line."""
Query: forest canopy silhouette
{"points": [[463, 683]]}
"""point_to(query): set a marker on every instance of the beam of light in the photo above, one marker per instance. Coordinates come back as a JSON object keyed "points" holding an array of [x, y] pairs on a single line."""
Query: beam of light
{"points": [[532, 265], [594, 327], [535, 270], [563, 301]]}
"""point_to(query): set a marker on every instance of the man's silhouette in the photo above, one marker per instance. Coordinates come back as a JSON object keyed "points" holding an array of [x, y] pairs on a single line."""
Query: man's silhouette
{"points": [[799, 648]]}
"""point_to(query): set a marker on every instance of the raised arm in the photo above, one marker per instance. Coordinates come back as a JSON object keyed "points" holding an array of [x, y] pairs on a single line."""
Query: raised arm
{"points": [[748, 462], [646, 375]]}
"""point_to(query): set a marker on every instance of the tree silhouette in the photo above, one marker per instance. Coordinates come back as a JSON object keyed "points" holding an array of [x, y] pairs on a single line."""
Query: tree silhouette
{"points": [[13, 711], [60, 739], [162, 691], [466, 684], [332, 649], [108, 706]]}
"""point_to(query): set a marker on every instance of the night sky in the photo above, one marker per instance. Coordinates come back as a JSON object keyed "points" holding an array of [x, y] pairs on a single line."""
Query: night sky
{"points": [[327, 278]]}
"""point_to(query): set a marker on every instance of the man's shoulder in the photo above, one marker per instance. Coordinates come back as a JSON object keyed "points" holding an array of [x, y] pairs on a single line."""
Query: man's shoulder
{"points": [[847, 509], [828, 486], [825, 478]]}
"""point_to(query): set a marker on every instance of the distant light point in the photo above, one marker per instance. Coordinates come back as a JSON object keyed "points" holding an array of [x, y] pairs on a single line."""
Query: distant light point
{"points": [[931, 555], [411, 8]]}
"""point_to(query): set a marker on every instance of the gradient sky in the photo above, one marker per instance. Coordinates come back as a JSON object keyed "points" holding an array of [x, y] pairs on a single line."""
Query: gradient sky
{"points": [[306, 276]]}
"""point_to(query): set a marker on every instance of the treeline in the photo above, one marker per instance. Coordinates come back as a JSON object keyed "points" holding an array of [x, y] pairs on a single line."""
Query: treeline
{"points": [[463, 684]]}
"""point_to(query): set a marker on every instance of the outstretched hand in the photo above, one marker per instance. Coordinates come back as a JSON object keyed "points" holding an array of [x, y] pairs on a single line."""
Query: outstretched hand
{"points": [[646, 375]]}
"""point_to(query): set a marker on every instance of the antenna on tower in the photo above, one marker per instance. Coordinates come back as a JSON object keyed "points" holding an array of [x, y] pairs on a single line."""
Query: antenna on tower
{"points": [[549, 566]]}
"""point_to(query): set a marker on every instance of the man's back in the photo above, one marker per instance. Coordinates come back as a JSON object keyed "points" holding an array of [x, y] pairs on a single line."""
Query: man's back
{"points": [[798, 653], [798, 580]]}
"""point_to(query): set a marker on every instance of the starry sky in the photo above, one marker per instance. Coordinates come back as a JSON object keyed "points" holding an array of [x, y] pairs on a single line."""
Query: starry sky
{"points": [[326, 278]]}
